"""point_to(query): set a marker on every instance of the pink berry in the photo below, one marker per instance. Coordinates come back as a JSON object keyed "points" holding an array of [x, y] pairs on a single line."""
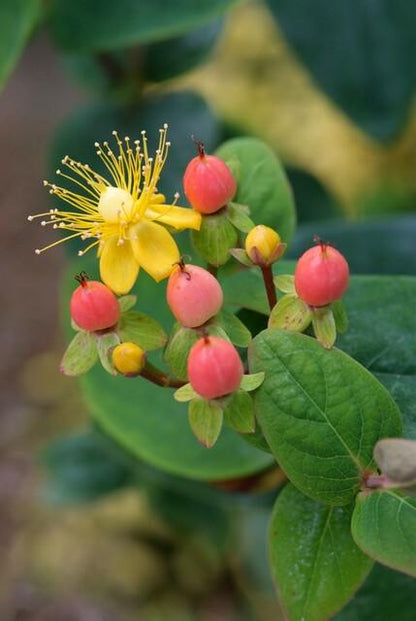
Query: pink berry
{"points": [[94, 306], [321, 275], [208, 182], [214, 367], [193, 295]]}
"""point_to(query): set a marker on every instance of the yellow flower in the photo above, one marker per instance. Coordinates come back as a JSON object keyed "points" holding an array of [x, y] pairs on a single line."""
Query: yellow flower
{"points": [[125, 215]]}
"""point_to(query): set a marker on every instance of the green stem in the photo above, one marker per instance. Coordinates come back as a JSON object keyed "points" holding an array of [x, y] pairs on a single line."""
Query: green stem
{"points": [[269, 285], [154, 375]]}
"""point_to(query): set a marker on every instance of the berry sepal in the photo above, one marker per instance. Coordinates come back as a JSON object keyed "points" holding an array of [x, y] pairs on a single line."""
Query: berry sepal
{"points": [[238, 215]]}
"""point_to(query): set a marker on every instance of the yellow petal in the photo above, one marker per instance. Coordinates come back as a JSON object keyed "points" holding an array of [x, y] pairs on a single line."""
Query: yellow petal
{"points": [[177, 217], [118, 267], [154, 249]]}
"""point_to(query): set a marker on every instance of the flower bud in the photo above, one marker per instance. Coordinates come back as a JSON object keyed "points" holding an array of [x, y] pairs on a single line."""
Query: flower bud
{"points": [[193, 295], [128, 359], [263, 245], [208, 182], [94, 306], [321, 275], [214, 367]]}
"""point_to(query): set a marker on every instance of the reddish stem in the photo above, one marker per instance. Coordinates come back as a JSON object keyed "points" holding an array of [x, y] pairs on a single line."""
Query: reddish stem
{"points": [[154, 375], [266, 270]]}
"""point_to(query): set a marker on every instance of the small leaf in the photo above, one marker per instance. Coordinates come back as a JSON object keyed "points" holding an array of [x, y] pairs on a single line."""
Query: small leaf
{"points": [[285, 283], [315, 561], [215, 238], [384, 526], [340, 316], [105, 344], [323, 323], [141, 329], [396, 458], [80, 355], [185, 393], [241, 256], [238, 333], [290, 313], [239, 412], [74, 326], [205, 418], [237, 215], [252, 381], [127, 302]]}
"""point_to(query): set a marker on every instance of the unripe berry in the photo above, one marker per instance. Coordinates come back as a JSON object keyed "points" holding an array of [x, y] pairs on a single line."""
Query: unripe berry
{"points": [[321, 275], [94, 306], [208, 183], [193, 295], [214, 367], [128, 358], [263, 245]]}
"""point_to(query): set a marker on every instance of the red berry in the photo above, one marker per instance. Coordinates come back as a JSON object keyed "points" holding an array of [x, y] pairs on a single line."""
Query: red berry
{"points": [[214, 367], [208, 182], [321, 275], [193, 295], [94, 306]]}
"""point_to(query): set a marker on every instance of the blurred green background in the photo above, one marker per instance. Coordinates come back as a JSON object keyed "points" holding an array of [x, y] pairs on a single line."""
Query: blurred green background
{"points": [[86, 532]]}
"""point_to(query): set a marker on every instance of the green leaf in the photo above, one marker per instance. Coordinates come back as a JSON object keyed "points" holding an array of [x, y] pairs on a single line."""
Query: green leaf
{"points": [[83, 467], [141, 329], [396, 459], [80, 355], [323, 323], [321, 413], [316, 564], [340, 316], [237, 332], [290, 313], [239, 412], [383, 594], [18, 19], [377, 38], [384, 526], [215, 238], [108, 25], [241, 256], [252, 381], [262, 184], [205, 418], [238, 216], [105, 345], [127, 302], [285, 283], [185, 393], [147, 421]]}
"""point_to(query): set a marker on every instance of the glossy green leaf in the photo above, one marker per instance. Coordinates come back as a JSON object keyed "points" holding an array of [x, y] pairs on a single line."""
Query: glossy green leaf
{"points": [[376, 85], [215, 238], [321, 413], [141, 329], [127, 302], [383, 594], [18, 18], [80, 355], [239, 412], [252, 381], [384, 526], [396, 458], [185, 393], [290, 313], [105, 345], [315, 562], [324, 328], [262, 184], [237, 332], [238, 216], [205, 418], [107, 25]]}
